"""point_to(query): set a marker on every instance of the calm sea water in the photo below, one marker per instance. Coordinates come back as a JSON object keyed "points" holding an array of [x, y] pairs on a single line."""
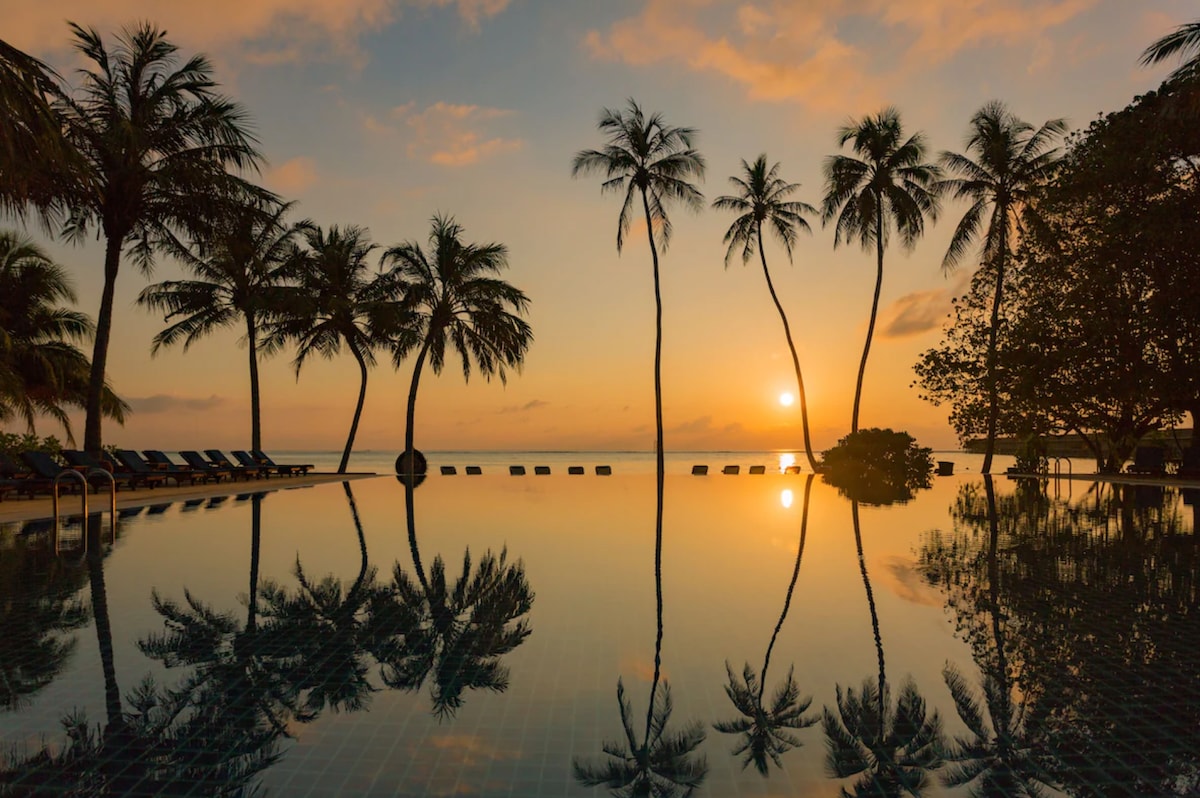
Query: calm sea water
{"points": [[383, 462], [316, 642]]}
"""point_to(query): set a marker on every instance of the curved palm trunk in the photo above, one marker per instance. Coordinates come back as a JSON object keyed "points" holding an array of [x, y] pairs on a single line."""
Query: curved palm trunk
{"points": [[993, 388], [92, 435], [787, 602], [660, 468], [787, 331], [994, 600], [255, 406], [411, 413], [862, 566], [862, 366], [358, 408], [95, 562], [362, 540], [411, 519]]}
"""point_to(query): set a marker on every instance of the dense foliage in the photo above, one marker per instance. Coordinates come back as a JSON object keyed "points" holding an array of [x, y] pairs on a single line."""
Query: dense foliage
{"points": [[878, 466]]}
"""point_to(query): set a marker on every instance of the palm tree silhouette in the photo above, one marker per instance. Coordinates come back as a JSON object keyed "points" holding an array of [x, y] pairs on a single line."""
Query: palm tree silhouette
{"points": [[33, 155], [646, 156], [334, 300], [661, 764], [891, 749], [42, 372], [761, 199], [237, 272], [888, 185], [763, 728], [1183, 42], [453, 633], [455, 300], [1005, 161], [154, 142]]}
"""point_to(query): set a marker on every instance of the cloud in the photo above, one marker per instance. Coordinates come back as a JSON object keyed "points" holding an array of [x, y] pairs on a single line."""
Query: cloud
{"points": [[446, 134], [906, 581], [262, 31], [530, 405], [827, 55], [165, 403], [701, 424], [922, 311], [293, 176]]}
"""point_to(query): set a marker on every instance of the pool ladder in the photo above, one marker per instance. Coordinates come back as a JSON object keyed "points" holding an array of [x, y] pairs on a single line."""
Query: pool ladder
{"points": [[83, 497], [1058, 461]]}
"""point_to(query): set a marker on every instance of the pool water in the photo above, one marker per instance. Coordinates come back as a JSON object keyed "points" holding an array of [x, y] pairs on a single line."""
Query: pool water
{"points": [[302, 642]]}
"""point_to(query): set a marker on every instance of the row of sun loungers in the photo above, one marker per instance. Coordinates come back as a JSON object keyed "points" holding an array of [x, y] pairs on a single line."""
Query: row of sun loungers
{"points": [[37, 471]]}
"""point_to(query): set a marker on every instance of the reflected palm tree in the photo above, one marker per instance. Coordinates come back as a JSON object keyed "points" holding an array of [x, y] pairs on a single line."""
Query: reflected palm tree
{"points": [[891, 749], [662, 764], [764, 729], [454, 634], [324, 628]]}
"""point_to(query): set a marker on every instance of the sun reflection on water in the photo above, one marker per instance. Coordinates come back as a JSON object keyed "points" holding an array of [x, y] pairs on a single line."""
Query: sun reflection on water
{"points": [[786, 498], [786, 461]]}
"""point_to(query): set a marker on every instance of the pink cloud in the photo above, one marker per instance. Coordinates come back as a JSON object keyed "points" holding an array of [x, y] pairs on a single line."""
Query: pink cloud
{"points": [[446, 134], [293, 176]]}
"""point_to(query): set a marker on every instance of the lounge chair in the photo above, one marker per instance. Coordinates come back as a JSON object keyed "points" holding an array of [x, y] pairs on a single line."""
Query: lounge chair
{"points": [[134, 464], [45, 470], [449, 471], [575, 470], [516, 470], [1189, 466], [699, 470], [541, 470], [285, 468], [20, 479], [758, 469], [255, 471], [121, 476], [1148, 460], [246, 459], [731, 469], [160, 462], [195, 461], [604, 471], [474, 471]]}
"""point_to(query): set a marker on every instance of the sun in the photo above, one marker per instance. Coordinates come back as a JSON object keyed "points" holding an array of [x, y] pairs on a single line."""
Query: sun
{"points": [[786, 399]]}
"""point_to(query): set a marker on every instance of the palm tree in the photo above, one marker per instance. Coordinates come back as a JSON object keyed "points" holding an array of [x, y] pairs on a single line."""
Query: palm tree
{"points": [[1005, 161], [457, 303], [154, 142], [1184, 42], [42, 372], [334, 300], [889, 749], [761, 727], [888, 185], [237, 272], [33, 157], [646, 156], [761, 199]]}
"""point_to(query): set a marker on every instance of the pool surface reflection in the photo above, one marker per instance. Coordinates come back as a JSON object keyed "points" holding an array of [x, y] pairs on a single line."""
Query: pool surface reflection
{"points": [[515, 637]]}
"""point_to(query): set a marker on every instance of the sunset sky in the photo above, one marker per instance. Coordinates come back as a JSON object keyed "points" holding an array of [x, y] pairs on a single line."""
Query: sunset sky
{"points": [[383, 112]]}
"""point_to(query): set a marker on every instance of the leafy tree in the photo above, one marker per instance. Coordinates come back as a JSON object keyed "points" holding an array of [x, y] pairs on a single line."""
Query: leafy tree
{"points": [[334, 300], [645, 156], [238, 272], [154, 143], [42, 371], [888, 185], [878, 466], [761, 199], [456, 303], [1005, 161]]}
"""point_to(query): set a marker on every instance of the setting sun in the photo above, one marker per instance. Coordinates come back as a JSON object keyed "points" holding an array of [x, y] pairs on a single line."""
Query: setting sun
{"points": [[786, 399]]}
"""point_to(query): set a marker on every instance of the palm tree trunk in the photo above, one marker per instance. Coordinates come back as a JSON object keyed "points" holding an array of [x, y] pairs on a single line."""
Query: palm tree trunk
{"points": [[411, 519], [862, 366], [787, 332], [104, 639], [255, 547], [993, 562], [787, 602], [255, 408], [92, 435], [362, 397], [993, 388], [362, 545], [412, 397], [862, 566]]}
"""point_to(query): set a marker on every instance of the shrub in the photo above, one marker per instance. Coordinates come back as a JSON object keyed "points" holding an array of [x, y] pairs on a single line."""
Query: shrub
{"points": [[13, 444], [878, 466]]}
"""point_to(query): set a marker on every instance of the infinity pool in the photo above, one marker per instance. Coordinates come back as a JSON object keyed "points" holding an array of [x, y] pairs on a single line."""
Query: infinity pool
{"points": [[304, 642]]}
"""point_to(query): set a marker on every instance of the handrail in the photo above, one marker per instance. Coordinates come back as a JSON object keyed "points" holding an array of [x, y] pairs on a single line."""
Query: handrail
{"points": [[55, 503], [1058, 474], [112, 498]]}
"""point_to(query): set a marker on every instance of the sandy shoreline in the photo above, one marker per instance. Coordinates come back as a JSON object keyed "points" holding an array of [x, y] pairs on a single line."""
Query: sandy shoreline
{"points": [[18, 508]]}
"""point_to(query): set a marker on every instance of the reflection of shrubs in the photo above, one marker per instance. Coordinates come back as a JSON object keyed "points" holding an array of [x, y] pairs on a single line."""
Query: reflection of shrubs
{"points": [[878, 466]]}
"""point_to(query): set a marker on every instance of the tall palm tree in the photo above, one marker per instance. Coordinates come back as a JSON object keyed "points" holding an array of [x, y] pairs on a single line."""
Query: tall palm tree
{"points": [[763, 728], [761, 199], [333, 299], [154, 143], [1005, 160], [237, 272], [1183, 42], [42, 371], [456, 303], [33, 158], [645, 156], [888, 185]]}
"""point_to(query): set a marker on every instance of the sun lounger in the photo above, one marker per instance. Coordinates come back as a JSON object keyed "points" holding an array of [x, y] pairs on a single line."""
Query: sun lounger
{"points": [[160, 462], [121, 476], [45, 470], [699, 470], [134, 464], [758, 469], [731, 469], [195, 461], [1148, 460], [575, 470], [246, 459], [285, 468], [516, 470], [541, 470], [449, 471], [255, 471], [474, 471]]}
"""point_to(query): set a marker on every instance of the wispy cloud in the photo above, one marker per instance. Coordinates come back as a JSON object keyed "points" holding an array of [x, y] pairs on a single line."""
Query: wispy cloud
{"points": [[165, 403], [922, 311], [293, 176], [530, 405], [446, 134]]}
